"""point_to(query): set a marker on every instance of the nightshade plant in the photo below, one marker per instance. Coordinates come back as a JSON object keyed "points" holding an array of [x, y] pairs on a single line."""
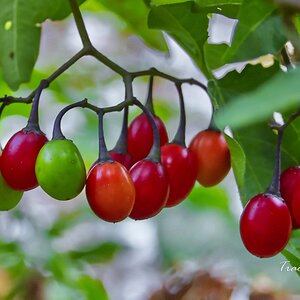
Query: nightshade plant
{"points": [[245, 101]]}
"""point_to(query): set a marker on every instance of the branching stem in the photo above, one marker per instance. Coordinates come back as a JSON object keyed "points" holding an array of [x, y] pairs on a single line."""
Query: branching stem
{"points": [[89, 50]]}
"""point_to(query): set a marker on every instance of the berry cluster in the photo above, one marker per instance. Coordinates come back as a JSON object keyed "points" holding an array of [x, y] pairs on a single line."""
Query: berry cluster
{"points": [[138, 178]]}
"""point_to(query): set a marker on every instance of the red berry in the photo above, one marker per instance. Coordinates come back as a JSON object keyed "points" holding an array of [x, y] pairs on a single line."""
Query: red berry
{"points": [[213, 156], [19, 157], [289, 180], [124, 159], [295, 207], [140, 136], [265, 225], [151, 187], [181, 167], [110, 191]]}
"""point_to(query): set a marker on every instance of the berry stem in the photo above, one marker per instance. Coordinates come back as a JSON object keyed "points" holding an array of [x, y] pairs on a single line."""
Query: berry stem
{"points": [[57, 133], [274, 187], [212, 125], [33, 121], [149, 101], [103, 152], [122, 143], [154, 154], [2, 109], [180, 134]]}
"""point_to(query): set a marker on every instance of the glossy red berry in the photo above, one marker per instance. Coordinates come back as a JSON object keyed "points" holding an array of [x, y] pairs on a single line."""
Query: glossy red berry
{"points": [[213, 156], [265, 225], [140, 136], [110, 191], [19, 157], [295, 207], [289, 180], [124, 159], [181, 167], [151, 187]]}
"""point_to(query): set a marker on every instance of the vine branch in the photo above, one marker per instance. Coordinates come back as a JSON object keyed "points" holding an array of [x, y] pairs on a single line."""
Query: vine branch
{"points": [[89, 50]]}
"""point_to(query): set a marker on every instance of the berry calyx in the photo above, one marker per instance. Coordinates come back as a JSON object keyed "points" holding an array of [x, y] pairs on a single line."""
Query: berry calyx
{"points": [[213, 156], [120, 152], [265, 225]]}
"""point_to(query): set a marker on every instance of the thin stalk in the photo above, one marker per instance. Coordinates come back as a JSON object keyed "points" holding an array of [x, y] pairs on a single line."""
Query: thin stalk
{"points": [[33, 121], [155, 72], [122, 143], [57, 133], [274, 187], [154, 154], [66, 65], [80, 24], [212, 125], [149, 101], [180, 134], [103, 153], [2, 109], [89, 49], [109, 63], [128, 86]]}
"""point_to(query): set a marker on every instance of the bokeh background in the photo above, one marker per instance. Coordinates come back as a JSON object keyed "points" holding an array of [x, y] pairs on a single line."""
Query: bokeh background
{"points": [[58, 250]]}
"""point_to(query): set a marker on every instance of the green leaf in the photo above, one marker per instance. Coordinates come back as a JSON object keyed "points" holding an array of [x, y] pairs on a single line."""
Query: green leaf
{"points": [[50, 9], [20, 33], [213, 54], [21, 38], [238, 160], [164, 2], [235, 84], [92, 288], [212, 197], [229, 8], [281, 93], [100, 253], [296, 20], [187, 28], [258, 144], [292, 259], [259, 31], [294, 242], [135, 13]]}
